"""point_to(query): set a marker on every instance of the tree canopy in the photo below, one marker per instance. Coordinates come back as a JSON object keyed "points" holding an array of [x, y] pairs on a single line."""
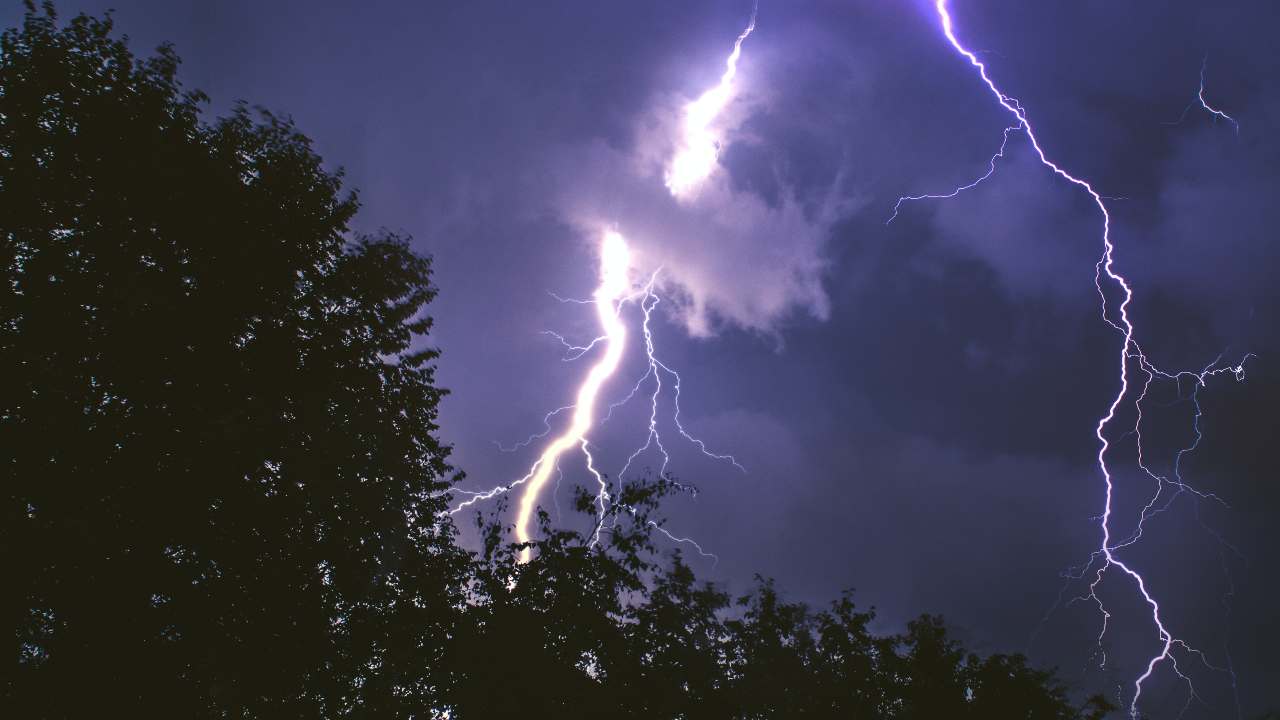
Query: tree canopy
{"points": [[224, 492]]}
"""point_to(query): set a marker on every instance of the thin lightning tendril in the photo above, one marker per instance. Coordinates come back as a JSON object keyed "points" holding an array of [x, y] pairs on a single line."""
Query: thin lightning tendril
{"points": [[573, 352], [546, 430], [653, 439], [1131, 355], [656, 369], [991, 169], [1204, 104]]}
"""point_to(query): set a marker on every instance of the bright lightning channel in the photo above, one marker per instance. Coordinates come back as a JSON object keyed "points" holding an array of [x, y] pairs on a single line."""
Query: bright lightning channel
{"points": [[615, 284], [1131, 353], [695, 158], [615, 291]]}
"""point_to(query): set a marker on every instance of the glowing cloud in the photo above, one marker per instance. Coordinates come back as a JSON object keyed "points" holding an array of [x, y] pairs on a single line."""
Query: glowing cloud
{"points": [[695, 158]]}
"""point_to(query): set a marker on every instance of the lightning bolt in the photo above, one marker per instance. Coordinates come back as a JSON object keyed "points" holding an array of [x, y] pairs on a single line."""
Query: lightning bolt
{"points": [[695, 158], [615, 291], [546, 430], [1204, 104], [615, 266], [1132, 361], [991, 169], [693, 163], [655, 371]]}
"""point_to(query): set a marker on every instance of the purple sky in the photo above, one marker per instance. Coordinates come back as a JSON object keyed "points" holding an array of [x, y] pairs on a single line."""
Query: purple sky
{"points": [[914, 403]]}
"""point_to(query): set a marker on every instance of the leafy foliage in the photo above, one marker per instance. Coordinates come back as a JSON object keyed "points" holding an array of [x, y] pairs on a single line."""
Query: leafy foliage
{"points": [[606, 630], [223, 490], [221, 470]]}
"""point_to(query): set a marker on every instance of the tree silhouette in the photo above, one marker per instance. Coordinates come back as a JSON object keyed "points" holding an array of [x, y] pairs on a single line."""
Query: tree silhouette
{"points": [[610, 629], [677, 641], [221, 474], [223, 491]]}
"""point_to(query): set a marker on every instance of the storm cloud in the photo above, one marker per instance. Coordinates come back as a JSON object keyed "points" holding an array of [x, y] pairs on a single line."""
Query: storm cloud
{"points": [[914, 403]]}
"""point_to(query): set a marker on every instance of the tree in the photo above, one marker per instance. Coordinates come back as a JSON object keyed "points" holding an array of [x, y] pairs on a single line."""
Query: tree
{"points": [[677, 641], [599, 628], [222, 481], [771, 650]]}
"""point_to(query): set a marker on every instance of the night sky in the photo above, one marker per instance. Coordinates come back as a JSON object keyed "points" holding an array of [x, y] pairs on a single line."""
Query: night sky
{"points": [[914, 403]]}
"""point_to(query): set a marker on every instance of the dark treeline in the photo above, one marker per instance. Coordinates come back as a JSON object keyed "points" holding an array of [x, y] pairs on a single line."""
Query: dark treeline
{"points": [[223, 491]]}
